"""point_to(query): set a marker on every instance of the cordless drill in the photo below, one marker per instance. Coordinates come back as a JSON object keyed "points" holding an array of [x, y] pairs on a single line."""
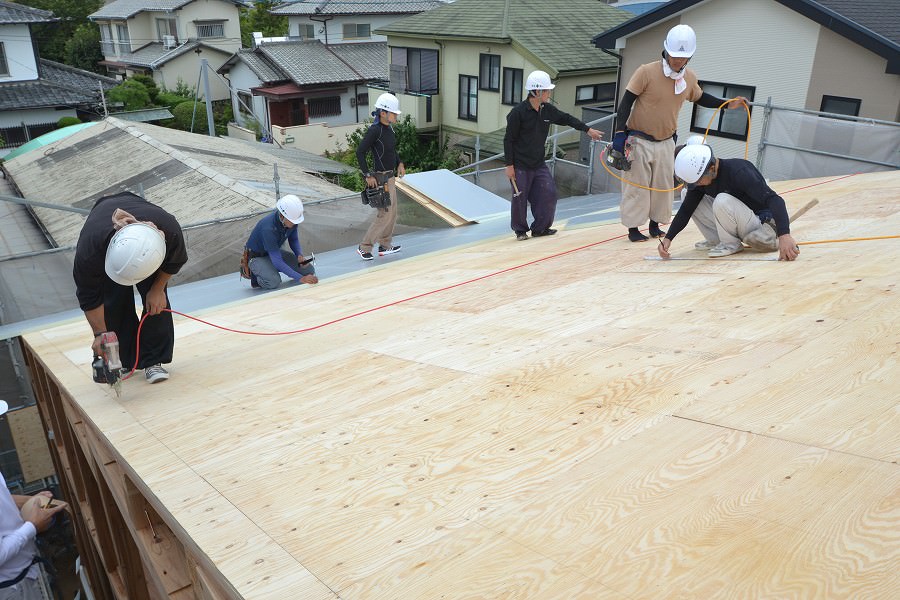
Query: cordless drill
{"points": [[108, 365]]}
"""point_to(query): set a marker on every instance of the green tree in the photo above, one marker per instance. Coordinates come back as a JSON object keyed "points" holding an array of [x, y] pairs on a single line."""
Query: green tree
{"points": [[131, 93], [149, 83], [52, 37], [259, 19], [185, 114], [82, 50]]}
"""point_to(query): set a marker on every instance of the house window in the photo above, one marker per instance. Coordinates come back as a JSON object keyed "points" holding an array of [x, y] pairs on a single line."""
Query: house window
{"points": [[727, 123], [468, 97], [357, 31], [124, 39], [489, 72], [421, 68], [306, 31], [512, 86], [245, 104], [4, 66], [840, 105], [597, 93], [324, 107], [210, 29], [107, 45], [362, 99], [166, 27]]}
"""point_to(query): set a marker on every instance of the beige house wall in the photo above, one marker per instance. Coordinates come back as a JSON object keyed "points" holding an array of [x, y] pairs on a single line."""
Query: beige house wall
{"points": [[842, 68], [187, 69]]}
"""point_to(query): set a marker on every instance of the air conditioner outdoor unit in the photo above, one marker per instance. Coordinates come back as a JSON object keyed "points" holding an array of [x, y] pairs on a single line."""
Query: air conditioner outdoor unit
{"points": [[168, 42]]}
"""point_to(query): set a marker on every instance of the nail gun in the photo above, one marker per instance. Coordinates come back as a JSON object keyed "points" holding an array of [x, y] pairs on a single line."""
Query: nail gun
{"points": [[108, 366]]}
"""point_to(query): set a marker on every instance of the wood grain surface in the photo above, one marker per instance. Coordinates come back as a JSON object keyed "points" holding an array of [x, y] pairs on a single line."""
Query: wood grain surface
{"points": [[557, 418]]}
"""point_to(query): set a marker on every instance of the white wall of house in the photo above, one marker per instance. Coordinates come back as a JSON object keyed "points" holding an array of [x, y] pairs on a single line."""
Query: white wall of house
{"points": [[302, 26], [204, 12], [315, 138], [15, 118], [242, 80], [19, 52]]}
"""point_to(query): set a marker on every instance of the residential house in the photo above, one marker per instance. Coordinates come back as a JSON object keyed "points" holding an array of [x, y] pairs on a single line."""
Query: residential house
{"points": [[304, 93], [832, 56], [339, 22], [35, 93], [167, 39], [461, 67]]}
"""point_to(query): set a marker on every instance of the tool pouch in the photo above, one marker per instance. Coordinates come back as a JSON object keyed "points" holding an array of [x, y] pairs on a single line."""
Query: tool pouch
{"points": [[617, 160], [376, 197]]}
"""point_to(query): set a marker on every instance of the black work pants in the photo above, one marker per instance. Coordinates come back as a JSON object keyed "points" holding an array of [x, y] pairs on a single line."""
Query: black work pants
{"points": [[157, 333]]}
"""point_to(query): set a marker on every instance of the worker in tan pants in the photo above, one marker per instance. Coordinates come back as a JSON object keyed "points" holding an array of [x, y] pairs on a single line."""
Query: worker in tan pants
{"points": [[381, 231]]}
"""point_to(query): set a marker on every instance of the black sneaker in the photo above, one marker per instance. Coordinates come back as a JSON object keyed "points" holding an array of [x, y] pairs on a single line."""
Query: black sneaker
{"points": [[543, 233], [382, 251], [522, 236], [655, 231], [364, 255], [636, 236]]}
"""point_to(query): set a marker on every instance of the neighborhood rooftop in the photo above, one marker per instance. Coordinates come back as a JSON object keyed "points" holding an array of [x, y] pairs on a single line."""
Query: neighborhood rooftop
{"points": [[125, 9], [327, 7], [12, 13]]}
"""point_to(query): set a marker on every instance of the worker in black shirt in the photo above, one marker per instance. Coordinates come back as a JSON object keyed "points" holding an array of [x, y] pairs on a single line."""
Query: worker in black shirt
{"points": [[127, 241], [731, 204], [382, 144], [527, 126]]}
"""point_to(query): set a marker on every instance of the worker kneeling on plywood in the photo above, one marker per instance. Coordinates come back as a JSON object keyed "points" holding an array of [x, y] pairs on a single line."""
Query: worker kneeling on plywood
{"points": [[127, 242], [732, 205], [264, 260]]}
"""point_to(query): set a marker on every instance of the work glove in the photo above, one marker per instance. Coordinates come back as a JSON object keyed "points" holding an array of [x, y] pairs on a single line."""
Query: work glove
{"points": [[618, 143]]}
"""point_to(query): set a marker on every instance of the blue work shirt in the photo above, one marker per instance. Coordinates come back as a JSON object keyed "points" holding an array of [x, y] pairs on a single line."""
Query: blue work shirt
{"points": [[268, 236]]}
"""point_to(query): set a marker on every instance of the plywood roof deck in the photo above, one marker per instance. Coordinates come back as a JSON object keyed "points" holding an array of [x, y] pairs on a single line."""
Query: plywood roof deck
{"points": [[557, 418]]}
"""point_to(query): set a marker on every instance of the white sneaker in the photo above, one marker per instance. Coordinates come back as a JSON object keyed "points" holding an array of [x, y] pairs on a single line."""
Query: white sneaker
{"points": [[762, 239], [725, 250], [705, 245], [155, 374]]}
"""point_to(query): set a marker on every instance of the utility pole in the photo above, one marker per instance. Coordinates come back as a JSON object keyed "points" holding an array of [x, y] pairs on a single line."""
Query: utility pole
{"points": [[204, 65]]}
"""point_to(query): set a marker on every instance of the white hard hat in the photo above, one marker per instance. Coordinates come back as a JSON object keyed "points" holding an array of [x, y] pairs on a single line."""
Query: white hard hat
{"points": [[3, 407], [134, 253], [291, 208], [389, 103], [693, 140], [692, 162], [538, 80], [681, 42]]}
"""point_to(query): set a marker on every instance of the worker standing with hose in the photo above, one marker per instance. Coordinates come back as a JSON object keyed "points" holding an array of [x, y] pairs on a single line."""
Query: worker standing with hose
{"points": [[646, 127]]}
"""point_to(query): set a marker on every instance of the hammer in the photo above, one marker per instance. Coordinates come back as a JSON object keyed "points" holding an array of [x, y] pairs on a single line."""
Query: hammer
{"points": [[515, 188]]}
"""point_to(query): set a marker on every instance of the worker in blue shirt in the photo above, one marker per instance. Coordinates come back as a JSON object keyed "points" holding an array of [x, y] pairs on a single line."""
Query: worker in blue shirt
{"points": [[264, 259]]}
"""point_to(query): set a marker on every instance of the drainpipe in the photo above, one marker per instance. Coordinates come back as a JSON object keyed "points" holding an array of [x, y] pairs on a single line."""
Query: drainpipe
{"points": [[324, 21], [618, 58], [440, 75]]}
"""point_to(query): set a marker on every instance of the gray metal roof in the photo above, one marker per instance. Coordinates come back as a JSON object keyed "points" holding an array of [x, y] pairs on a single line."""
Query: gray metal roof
{"points": [[369, 59], [343, 7], [309, 62], [11, 13]]}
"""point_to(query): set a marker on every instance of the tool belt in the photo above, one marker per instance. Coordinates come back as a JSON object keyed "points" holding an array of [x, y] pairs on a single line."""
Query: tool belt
{"points": [[378, 196], [647, 136], [246, 256]]}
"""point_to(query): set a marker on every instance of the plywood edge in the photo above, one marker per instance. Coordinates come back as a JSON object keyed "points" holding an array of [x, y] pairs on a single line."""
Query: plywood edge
{"points": [[447, 215]]}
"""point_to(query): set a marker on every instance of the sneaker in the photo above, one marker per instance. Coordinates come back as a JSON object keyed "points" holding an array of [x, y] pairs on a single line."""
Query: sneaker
{"points": [[762, 239], [155, 374], [364, 255], [522, 236], [725, 250], [705, 245], [636, 236], [543, 233], [382, 251]]}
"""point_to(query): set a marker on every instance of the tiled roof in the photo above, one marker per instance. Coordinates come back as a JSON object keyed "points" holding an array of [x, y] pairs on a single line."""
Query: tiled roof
{"points": [[342, 7], [155, 55], [125, 9], [74, 78], [39, 93], [308, 62], [259, 64], [545, 29], [369, 59], [59, 85], [11, 13], [881, 17]]}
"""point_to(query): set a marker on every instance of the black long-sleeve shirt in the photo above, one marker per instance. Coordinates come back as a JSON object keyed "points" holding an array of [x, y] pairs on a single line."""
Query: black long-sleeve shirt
{"points": [[90, 253], [742, 180], [380, 139], [527, 130]]}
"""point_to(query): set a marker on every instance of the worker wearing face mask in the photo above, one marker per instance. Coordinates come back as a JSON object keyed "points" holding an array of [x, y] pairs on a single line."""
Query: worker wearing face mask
{"points": [[645, 131]]}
